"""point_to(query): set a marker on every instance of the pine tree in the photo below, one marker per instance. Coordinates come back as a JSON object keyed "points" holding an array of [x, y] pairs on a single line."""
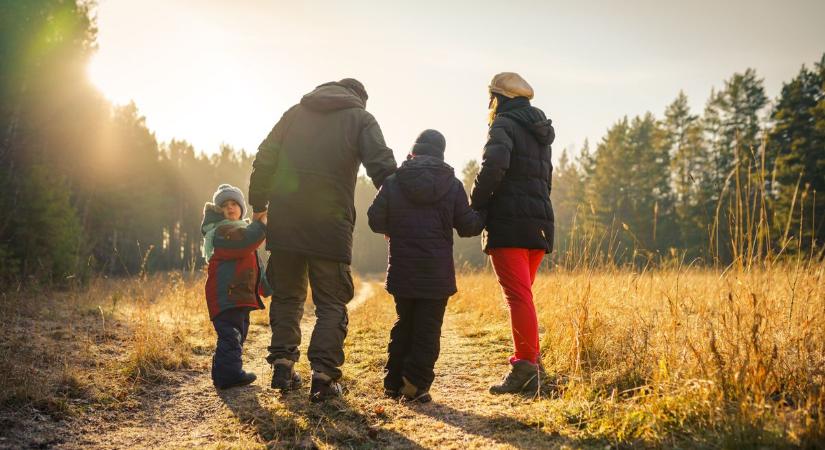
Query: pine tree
{"points": [[689, 156], [44, 45], [797, 147], [46, 235], [733, 124], [732, 130], [568, 199], [630, 188]]}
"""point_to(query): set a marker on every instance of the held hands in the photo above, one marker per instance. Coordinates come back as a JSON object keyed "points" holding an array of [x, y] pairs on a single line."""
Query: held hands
{"points": [[259, 216]]}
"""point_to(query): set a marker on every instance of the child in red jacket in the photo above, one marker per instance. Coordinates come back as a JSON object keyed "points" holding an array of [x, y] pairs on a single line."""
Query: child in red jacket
{"points": [[234, 284]]}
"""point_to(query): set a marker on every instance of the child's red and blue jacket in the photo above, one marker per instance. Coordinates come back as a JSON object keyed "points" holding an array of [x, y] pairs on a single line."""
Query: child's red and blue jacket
{"points": [[235, 278]]}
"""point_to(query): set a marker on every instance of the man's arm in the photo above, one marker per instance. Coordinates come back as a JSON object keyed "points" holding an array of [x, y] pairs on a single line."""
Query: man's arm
{"points": [[262, 179], [495, 162], [374, 153], [378, 212]]}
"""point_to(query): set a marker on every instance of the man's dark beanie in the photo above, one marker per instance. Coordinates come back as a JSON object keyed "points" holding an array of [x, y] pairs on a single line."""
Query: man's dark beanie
{"points": [[430, 143], [356, 87]]}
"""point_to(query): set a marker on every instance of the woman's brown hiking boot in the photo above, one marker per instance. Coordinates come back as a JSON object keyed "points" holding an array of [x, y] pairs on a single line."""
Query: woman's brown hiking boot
{"points": [[523, 378]]}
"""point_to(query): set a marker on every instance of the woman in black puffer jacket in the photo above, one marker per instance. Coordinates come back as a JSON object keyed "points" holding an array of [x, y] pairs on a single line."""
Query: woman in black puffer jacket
{"points": [[417, 208], [513, 187]]}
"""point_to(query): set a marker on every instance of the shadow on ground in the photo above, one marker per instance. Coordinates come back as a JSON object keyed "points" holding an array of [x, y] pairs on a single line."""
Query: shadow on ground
{"points": [[294, 422], [500, 429]]}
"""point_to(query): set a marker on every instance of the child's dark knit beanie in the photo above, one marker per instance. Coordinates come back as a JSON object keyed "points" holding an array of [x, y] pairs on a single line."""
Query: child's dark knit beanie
{"points": [[430, 143]]}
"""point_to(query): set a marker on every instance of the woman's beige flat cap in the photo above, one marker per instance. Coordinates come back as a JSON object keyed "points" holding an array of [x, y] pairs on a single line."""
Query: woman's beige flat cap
{"points": [[511, 84]]}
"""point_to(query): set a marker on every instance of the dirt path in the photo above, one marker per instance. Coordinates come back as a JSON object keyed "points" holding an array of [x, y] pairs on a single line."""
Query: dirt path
{"points": [[190, 413]]}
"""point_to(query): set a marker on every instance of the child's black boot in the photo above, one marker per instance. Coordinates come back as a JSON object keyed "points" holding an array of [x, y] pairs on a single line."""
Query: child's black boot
{"points": [[413, 393], [246, 378]]}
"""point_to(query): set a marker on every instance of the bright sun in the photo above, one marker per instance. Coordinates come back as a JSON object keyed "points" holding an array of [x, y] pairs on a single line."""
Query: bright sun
{"points": [[101, 77]]}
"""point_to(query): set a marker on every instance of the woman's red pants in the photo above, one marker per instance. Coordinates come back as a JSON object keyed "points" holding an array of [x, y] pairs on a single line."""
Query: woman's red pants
{"points": [[516, 271]]}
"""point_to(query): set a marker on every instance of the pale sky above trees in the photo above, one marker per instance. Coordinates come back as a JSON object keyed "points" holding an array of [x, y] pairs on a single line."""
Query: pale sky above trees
{"points": [[216, 71]]}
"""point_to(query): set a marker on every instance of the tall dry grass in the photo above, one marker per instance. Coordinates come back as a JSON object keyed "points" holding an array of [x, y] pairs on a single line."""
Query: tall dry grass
{"points": [[664, 353]]}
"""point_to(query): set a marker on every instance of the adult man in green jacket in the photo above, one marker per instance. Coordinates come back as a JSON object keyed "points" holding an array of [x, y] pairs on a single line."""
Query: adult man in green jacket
{"points": [[305, 173]]}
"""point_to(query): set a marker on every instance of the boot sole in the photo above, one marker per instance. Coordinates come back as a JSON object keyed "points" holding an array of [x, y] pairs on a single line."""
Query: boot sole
{"points": [[289, 387], [389, 393], [242, 383], [318, 397], [293, 384], [422, 398]]}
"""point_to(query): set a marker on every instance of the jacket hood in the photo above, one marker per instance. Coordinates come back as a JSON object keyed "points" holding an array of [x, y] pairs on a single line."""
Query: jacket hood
{"points": [[425, 179], [212, 215], [531, 118], [213, 218], [332, 97]]}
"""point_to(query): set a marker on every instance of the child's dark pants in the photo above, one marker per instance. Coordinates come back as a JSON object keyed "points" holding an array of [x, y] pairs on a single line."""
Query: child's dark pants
{"points": [[231, 326], [415, 341]]}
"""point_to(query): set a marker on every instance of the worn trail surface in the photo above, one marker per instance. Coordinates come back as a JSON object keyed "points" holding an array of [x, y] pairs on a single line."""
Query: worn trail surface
{"points": [[187, 412]]}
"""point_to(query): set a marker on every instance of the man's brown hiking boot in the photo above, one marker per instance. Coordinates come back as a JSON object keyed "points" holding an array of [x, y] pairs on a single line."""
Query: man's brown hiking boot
{"points": [[523, 378], [324, 388], [284, 376]]}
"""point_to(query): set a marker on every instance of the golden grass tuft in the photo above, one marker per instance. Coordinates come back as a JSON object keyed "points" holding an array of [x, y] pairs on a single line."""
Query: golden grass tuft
{"points": [[98, 343]]}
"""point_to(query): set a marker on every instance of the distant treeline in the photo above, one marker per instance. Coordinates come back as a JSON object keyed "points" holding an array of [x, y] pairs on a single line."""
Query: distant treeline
{"points": [[742, 181], [86, 188]]}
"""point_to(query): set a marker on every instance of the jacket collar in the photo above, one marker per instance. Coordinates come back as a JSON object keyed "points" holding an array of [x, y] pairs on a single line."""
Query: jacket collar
{"points": [[513, 104]]}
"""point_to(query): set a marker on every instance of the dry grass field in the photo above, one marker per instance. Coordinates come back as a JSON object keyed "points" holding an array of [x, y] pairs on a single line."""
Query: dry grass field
{"points": [[679, 358]]}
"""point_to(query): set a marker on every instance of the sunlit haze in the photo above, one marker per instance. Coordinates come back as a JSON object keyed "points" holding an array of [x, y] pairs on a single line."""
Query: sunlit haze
{"points": [[214, 71]]}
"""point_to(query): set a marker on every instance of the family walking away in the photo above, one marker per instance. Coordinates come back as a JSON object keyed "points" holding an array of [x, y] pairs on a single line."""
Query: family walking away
{"points": [[302, 195]]}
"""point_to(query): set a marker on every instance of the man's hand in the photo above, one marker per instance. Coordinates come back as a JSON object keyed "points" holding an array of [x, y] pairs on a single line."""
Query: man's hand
{"points": [[259, 216]]}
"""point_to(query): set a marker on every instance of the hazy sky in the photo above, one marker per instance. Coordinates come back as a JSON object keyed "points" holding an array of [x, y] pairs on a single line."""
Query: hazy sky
{"points": [[225, 71]]}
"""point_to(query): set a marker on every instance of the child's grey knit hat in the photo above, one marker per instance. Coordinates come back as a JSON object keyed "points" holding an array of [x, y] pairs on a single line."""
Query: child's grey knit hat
{"points": [[228, 192]]}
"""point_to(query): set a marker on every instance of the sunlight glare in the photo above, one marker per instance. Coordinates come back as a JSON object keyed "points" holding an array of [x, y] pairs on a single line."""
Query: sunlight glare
{"points": [[101, 76]]}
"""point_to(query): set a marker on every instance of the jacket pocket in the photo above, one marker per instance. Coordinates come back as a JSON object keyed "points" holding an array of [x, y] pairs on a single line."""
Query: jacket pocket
{"points": [[242, 287]]}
